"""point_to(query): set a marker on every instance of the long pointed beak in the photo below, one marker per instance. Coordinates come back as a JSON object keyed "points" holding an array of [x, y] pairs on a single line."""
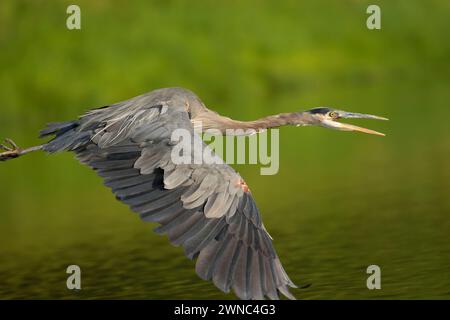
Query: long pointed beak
{"points": [[360, 116], [350, 127]]}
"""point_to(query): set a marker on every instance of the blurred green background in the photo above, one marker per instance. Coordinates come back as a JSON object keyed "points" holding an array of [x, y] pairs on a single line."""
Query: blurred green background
{"points": [[340, 202]]}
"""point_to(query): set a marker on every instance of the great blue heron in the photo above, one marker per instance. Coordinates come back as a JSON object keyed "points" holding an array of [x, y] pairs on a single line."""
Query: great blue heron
{"points": [[206, 208]]}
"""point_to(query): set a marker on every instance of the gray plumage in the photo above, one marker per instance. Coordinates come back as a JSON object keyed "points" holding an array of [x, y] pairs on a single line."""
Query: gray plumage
{"points": [[206, 208], [200, 207]]}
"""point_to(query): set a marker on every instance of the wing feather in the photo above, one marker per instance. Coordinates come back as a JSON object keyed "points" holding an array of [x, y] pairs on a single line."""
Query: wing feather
{"points": [[199, 206]]}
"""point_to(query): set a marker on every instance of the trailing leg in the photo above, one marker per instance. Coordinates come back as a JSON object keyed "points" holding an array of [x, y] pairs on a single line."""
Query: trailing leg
{"points": [[11, 150]]}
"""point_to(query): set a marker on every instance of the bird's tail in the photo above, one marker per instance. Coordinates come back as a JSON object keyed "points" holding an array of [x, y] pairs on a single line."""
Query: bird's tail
{"points": [[68, 136], [57, 128]]}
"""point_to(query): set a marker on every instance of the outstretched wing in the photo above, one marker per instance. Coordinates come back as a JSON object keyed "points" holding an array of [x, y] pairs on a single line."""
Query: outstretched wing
{"points": [[203, 207]]}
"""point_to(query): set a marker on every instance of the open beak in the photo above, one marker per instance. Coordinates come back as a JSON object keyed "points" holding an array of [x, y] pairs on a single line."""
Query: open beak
{"points": [[349, 127]]}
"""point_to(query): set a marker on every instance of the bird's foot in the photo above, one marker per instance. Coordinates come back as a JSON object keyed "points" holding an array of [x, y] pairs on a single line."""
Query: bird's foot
{"points": [[10, 150]]}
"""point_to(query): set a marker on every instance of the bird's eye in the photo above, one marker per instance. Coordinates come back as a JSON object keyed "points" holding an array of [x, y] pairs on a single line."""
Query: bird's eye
{"points": [[333, 115]]}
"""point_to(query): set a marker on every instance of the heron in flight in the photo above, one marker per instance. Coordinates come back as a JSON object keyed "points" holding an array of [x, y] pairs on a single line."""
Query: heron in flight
{"points": [[206, 208]]}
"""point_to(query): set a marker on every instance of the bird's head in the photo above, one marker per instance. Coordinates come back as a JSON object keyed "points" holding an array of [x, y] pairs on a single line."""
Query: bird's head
{"points": [[329, 118]]}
